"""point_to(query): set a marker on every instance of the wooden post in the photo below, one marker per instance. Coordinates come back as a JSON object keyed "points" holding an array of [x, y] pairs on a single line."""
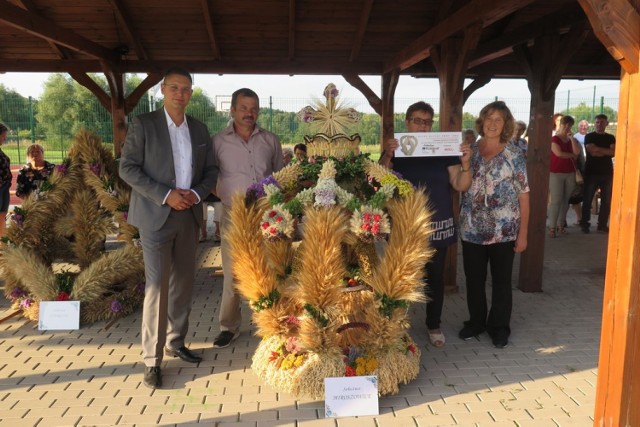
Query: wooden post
{"points": [[544, 64], [618, 389], [450, 59], [117, 86], [616, 23], [389, 83]]}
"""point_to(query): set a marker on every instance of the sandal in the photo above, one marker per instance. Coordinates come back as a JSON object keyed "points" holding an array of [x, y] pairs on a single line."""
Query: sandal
{"points": [[552, 233], [436, 338], [562, 230]]}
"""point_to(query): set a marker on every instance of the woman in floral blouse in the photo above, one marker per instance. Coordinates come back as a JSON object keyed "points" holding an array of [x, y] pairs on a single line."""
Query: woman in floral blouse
{"points": [[34, 173], [5, 179], [494, 217]]}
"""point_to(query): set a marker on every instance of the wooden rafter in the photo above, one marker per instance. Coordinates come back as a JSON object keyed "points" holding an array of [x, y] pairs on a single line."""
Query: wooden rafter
{"points": [[127, 26], [61, 51], [292, 29], [208, 22], [362, 28], [502, 44], [94, 88], [475, 84], [474, 11], [616, 23], [134, 97], [355, 81], [43, 28]]}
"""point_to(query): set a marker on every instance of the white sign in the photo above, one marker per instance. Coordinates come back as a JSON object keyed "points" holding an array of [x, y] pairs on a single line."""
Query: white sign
{"points": [[351, 396], [428, 144], [59, 315]]}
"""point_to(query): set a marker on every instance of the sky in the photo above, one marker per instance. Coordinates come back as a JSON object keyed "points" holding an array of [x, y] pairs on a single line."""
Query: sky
{"points": [[309, 87]]}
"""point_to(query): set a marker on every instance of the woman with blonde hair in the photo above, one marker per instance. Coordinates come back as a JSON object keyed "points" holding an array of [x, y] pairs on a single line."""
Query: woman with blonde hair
{"points": [[36, 171], [494, 217]]}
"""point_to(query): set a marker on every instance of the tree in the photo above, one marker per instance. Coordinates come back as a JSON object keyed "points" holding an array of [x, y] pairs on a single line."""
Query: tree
{"points": [[584, 112], [14, 109]]}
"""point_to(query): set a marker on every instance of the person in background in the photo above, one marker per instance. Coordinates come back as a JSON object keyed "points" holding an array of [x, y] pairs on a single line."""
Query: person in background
{"points": [[245, 154], [598, 173], [287, 155], [583, 127], [439, 175], [34, 173], [469, 136], [518, 140], [300, 151], [168, 161], [565, 150], [5, 180], [556, 123], [494, 217]]}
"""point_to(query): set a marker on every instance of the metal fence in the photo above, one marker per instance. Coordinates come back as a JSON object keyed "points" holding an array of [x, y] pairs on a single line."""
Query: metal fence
{"points": [[277, 115]]}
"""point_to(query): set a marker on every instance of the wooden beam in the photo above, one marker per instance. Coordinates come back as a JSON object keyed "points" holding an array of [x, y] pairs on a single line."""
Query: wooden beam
{"points": [[86, 81], [389, 84], [502, 44], [474, 11], [116, 81], [568, 43], [618, 388], [475, 84], [305, 66], [127, 26], [373, 99], [543, 64], [362, 28], [61, 51], [44, 29], [150, 81], [206, 12], [450, 58], [292, 29], [616, 23]]}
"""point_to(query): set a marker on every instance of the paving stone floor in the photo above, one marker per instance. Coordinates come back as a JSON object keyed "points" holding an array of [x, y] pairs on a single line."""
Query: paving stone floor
{"points": [[545, 377]]}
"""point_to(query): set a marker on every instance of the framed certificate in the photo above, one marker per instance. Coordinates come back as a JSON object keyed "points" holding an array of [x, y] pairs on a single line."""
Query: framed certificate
{"points": [[428, 144]]}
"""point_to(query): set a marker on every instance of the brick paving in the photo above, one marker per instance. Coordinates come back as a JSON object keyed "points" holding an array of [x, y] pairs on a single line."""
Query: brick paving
{"points": [[545, 377]]}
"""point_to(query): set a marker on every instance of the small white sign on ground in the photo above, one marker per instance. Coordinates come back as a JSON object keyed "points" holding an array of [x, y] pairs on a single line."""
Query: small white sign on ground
{"points": [[59, 315], [351, 396]]}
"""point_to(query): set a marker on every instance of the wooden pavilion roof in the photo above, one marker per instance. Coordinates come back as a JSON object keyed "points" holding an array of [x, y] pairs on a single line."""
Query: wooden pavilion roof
{"points": [[366, 37]]}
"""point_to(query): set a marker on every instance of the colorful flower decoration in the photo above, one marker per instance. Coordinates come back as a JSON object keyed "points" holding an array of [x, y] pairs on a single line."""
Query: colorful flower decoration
{"points": [[116, 306], [369, 224], [358, 364], [277, 223]]}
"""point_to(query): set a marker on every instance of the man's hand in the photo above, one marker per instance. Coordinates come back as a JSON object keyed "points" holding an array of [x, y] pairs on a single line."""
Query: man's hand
{"points": [[180, 199]]}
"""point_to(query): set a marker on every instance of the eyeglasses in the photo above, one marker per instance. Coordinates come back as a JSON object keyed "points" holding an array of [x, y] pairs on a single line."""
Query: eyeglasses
{"points": [[175, 89], [418, 121]]}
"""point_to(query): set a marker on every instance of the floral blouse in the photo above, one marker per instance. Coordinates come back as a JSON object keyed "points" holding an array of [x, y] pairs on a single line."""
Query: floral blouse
{"points": [[490, 211], [5, 169], [30, 179]]}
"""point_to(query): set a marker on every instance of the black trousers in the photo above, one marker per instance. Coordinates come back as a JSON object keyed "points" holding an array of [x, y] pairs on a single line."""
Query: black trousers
{"points": [[499, 256], [435, 287]]}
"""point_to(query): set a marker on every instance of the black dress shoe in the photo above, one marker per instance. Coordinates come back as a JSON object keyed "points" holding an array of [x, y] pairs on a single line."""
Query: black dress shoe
{"points": [[184, 353], [152, 377]]}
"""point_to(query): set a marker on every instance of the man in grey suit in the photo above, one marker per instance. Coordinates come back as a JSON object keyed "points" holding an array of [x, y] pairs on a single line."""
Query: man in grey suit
{"points": [[168, 161]]}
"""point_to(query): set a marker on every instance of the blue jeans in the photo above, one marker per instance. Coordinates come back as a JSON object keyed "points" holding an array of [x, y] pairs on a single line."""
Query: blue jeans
{"points": [[591, 184]]}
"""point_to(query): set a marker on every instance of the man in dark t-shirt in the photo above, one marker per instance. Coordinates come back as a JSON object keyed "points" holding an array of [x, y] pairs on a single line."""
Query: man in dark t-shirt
{"points": [[438, 175], [598, 173]]}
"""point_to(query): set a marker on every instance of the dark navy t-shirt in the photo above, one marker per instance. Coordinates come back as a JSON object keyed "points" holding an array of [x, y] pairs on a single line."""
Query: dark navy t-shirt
{"points": [[432, 174]]}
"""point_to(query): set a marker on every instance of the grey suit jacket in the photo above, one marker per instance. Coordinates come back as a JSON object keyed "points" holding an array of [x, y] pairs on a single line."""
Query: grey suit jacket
{"points": [[147, 166]]}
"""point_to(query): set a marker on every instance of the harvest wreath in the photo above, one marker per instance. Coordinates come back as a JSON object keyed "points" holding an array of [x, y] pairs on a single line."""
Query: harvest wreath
{"points": [[334, 303], [54, 247]]}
